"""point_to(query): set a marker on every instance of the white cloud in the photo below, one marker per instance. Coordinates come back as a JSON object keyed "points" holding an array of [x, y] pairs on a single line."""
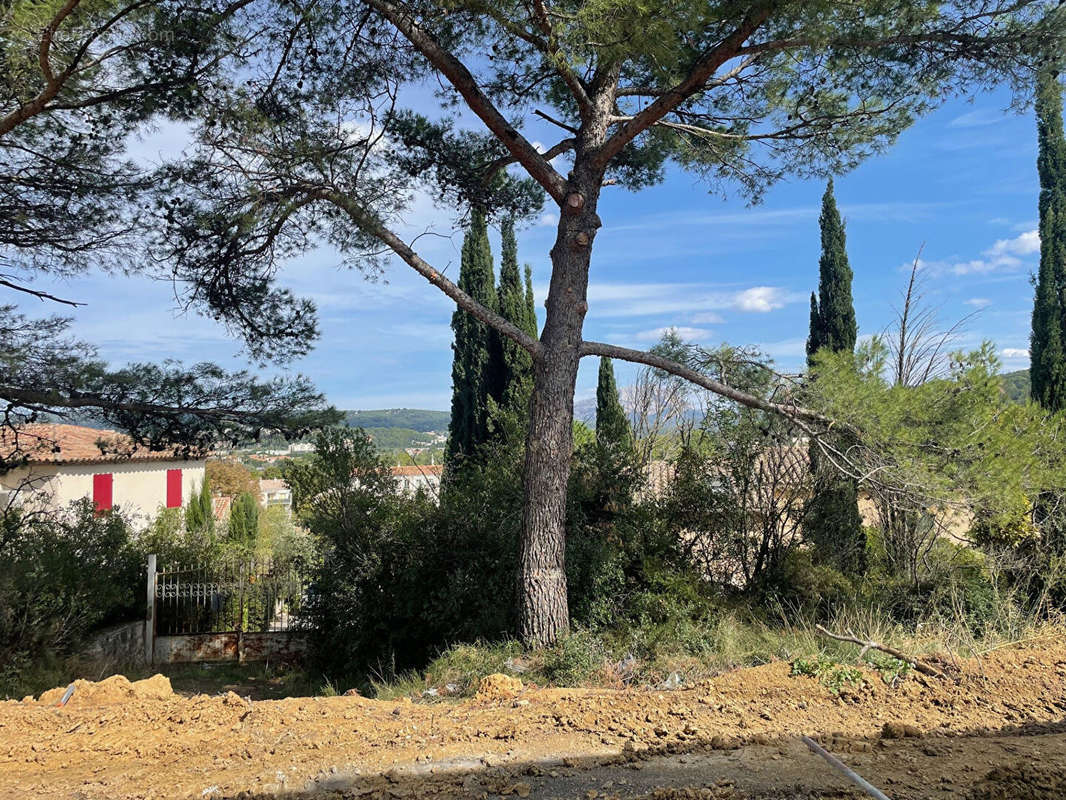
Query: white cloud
{"points": [[548, 219], [1024, 244], [612, 300], [762, 299], [686, 333], [978, 302], [1010, 353], [1005, 255]]}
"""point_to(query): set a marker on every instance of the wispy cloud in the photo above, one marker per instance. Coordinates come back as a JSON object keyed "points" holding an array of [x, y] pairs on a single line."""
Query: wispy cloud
{"points": [[977, 119], [978, 302], [1005, 255], [706, 318], [698, 301], [686, 333], [1014, 353]]}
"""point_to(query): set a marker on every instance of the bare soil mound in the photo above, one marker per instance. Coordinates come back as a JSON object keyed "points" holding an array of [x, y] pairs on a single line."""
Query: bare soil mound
{"points": [[1022, 782], [498, 687], [116, 689], [117, 739]]}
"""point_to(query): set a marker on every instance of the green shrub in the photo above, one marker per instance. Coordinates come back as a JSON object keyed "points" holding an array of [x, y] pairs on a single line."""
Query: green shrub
{"points": [[573, 659], [831, 675], [62, 576], [803, 585]]}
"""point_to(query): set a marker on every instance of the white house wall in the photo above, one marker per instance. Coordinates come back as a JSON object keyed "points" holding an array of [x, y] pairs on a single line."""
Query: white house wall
{"points": [[138, 487]]}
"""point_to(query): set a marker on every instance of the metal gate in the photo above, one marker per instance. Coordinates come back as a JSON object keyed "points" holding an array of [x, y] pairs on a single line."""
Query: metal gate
{"points": [[239, 596]]}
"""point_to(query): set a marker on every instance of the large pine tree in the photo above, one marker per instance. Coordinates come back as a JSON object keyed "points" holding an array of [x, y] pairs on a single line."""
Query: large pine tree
{"points": [[473, 367], [833, 524], [516, 376], [1047, 348], [612, 427]]}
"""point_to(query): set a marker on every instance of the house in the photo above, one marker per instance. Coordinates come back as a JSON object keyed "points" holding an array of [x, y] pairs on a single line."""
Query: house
{"points": [[275, 492], [410, 478], [63, 463]]}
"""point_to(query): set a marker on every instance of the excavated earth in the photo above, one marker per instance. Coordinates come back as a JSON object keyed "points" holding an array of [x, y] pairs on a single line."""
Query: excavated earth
{"points": [[995, 729]]}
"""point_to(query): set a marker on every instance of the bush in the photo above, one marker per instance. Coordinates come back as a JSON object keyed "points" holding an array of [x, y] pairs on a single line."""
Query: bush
{"points": [[803, 585], [63, 575], [402, 577], [573, 659]]}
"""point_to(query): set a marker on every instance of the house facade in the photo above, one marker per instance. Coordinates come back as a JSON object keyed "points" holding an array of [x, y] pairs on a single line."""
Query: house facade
{"points": [[412, 478], [64, 463], [275, 492]]}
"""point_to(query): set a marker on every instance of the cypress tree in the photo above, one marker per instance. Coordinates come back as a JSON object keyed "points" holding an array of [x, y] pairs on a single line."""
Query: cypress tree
{"points": [[200, 512], [612, 427], [512, 393], [833, 524], [832, 313], [531, 303], [243, 519], [474, 370], [1047, 349]]}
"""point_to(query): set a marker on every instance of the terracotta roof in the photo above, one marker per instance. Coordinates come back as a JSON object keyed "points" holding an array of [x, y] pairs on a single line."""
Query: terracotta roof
{"points": [[220, 506], [76, 444], [272, 485], [415, 469]]}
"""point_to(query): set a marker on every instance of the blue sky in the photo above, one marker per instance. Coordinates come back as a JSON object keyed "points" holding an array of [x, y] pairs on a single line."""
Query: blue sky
{"points": [[962, 182]]}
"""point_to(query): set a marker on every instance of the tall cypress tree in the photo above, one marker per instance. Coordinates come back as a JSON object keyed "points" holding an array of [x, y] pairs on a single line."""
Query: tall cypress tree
{"points": [[531, 303], [833, 524], [243, 519], [473, 370], [832, 313], [200, 511], [512, 393], [1047, 370], [612, 427]]}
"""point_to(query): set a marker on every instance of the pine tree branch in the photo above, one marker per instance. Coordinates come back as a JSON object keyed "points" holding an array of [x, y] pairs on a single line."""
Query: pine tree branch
{"points": [[698, 79], [659, 362], [39, 294], [464, 82], [557, 149], [371, 225]]}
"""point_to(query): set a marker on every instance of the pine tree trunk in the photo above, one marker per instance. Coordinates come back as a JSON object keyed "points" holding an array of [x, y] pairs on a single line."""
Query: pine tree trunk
{"points": [[543, 614]]}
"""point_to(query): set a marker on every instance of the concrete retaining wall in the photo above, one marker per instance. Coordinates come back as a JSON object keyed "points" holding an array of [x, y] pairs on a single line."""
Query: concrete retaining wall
{"points": [[122, 643], [215, 647]]}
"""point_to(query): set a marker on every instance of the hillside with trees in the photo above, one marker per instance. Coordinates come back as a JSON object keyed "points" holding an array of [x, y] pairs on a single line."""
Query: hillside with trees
{"points": [[419, 420]]}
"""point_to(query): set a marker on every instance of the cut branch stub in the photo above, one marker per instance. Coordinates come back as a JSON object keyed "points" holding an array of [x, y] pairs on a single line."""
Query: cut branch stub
{"points": [[575, 201]]}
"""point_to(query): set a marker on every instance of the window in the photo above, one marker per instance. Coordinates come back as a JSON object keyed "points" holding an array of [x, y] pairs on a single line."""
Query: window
{"points": [[173, 488], [102, 491]]}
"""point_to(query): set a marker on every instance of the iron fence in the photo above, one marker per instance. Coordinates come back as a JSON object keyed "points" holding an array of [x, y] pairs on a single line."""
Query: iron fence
{"points": [[249, 596]]}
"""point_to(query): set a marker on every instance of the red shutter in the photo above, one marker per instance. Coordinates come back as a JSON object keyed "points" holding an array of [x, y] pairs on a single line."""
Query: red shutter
{"points": [[102, 491], [173, 488]]}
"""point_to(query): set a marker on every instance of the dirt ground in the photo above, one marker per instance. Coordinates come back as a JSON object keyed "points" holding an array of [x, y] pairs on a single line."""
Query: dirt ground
{"points": [[996, 730]]}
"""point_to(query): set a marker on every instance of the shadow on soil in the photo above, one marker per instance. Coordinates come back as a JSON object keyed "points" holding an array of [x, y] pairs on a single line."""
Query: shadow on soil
{"points": [[1026, 762]]}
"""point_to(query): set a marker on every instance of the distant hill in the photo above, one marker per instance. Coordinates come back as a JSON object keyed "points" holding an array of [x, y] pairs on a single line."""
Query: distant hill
{"points": [[1016, 385], [400, 438], [415, 419]]}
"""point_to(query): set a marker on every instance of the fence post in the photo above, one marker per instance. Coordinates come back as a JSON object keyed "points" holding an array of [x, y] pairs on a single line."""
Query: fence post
{"points": [[149, 622]]}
